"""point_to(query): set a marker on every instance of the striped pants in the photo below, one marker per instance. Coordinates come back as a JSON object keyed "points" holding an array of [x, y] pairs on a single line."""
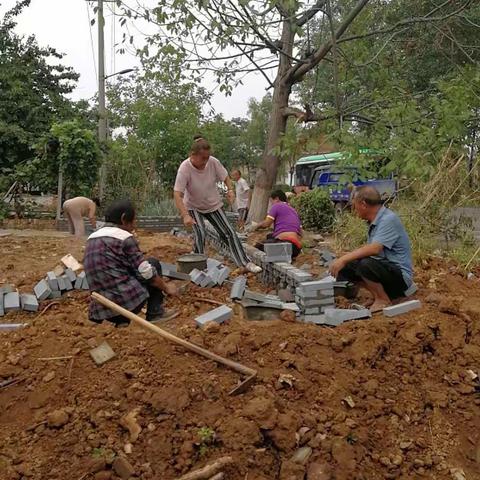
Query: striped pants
{"points": [[227, 234]]}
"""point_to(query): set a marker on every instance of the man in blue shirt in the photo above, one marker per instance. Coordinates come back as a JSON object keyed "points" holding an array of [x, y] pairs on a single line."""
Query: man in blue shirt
{"points": [[384, 265]]}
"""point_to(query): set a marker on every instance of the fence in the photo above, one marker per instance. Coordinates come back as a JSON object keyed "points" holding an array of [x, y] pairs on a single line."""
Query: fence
{"points": [[154, 224]]}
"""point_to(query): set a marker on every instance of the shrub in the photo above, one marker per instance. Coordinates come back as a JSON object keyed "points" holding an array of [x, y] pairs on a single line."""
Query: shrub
{"points": [[315, 208], [349, 232], [283, 187], [4, 210]]}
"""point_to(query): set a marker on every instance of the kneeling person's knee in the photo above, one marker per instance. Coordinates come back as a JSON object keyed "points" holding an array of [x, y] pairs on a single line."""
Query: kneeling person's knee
{"points": [[365, 268]]}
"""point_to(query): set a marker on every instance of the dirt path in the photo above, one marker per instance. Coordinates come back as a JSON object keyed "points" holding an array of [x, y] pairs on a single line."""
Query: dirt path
{"points": [[414, 409]]}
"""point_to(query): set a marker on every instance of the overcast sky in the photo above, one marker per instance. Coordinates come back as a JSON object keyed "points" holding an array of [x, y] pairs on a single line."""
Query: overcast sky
{"points": [[64, 25]]}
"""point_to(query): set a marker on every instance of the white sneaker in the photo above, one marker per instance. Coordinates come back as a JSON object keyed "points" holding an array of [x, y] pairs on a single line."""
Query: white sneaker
{"points": [[252, 268]]}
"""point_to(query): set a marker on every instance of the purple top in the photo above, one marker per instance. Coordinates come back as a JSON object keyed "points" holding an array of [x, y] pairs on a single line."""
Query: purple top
{"points": [[285, 218]]}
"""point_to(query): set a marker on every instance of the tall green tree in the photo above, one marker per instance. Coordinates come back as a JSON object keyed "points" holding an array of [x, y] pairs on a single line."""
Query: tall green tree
{"points": [[160, 114], [33, 92], [75, 151], [415, 97]]}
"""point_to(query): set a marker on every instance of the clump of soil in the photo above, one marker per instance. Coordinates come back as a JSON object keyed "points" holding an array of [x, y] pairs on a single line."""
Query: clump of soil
{"points": [[371, 399]]}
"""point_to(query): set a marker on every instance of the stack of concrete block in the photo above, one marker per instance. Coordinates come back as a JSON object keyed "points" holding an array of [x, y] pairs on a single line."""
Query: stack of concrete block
{"points": [[218, 315], [55, 284], [63, 278], [278, 252], [296, 277], [81, 282], [314, 298], [216, 274]]}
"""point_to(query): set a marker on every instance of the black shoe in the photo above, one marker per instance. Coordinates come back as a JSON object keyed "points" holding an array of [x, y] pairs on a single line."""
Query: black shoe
{"points": [[162, 317]]}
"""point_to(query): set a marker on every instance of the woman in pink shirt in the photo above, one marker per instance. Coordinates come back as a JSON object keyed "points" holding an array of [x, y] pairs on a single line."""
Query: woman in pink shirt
{"points": [[197, 198]]}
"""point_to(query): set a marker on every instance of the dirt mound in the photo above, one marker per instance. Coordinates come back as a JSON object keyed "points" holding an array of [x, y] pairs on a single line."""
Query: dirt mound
{"points": [[372, 399]]}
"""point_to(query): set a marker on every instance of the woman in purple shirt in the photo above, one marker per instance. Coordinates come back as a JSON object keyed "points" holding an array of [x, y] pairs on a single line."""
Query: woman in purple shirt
{"points": [[287, 226]]}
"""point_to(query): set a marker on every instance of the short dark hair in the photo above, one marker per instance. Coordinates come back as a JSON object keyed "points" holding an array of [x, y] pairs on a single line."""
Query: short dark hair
{"points": [[280, 194], [96, 201], [367, 194], [118, 209], [198, 136]]}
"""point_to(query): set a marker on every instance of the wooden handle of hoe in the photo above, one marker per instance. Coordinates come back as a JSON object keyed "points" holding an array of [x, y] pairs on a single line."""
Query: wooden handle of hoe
{"points": [[237, 367]]}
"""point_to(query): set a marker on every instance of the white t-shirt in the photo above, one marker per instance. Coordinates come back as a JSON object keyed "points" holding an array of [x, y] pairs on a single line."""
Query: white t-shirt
{"points": [[241, 190]]}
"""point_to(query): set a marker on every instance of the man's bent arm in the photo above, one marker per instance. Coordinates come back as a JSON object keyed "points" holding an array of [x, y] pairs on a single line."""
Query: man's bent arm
{"points": [[368, 250], [362, 252]]}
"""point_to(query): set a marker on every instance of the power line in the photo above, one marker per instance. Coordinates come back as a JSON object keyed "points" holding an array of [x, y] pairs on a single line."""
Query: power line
{"points": [[91, 39], [112, 40]]}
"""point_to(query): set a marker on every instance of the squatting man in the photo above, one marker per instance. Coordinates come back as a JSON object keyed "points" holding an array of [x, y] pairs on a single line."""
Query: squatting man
{"points": [[384, 265]]}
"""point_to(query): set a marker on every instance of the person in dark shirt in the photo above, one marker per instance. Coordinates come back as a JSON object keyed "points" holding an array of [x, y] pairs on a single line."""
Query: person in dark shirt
{"points": [[117, 269]]}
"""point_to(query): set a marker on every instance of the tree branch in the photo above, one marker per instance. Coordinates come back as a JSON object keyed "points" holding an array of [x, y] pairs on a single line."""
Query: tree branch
{"points": [[250, 57], [409, 21], [296, 73], [305, 116], [309, 116], [310, 13]]}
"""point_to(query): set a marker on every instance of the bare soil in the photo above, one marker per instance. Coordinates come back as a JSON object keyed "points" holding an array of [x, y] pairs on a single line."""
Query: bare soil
{"points": [[373, 399]]}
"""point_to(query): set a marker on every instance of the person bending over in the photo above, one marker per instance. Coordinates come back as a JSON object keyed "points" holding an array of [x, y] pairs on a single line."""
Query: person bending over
{"points": [[197, 199], [287, 226], [384, 265], [116, 268], [77, 208]]}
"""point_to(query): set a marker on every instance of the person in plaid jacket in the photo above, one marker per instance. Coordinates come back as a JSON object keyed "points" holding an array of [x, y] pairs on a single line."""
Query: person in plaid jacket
{"points": [[117, 269]]}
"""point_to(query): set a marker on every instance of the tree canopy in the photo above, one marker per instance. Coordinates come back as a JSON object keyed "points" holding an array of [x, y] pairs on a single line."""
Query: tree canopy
{"points": [[279, 38], [32, 91]]}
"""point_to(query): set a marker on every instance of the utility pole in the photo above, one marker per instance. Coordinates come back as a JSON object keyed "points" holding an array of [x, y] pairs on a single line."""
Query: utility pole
{"points": [[102, 112]]}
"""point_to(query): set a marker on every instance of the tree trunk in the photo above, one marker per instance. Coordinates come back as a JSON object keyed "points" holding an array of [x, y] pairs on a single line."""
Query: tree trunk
{"points": [[267, 173]]}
